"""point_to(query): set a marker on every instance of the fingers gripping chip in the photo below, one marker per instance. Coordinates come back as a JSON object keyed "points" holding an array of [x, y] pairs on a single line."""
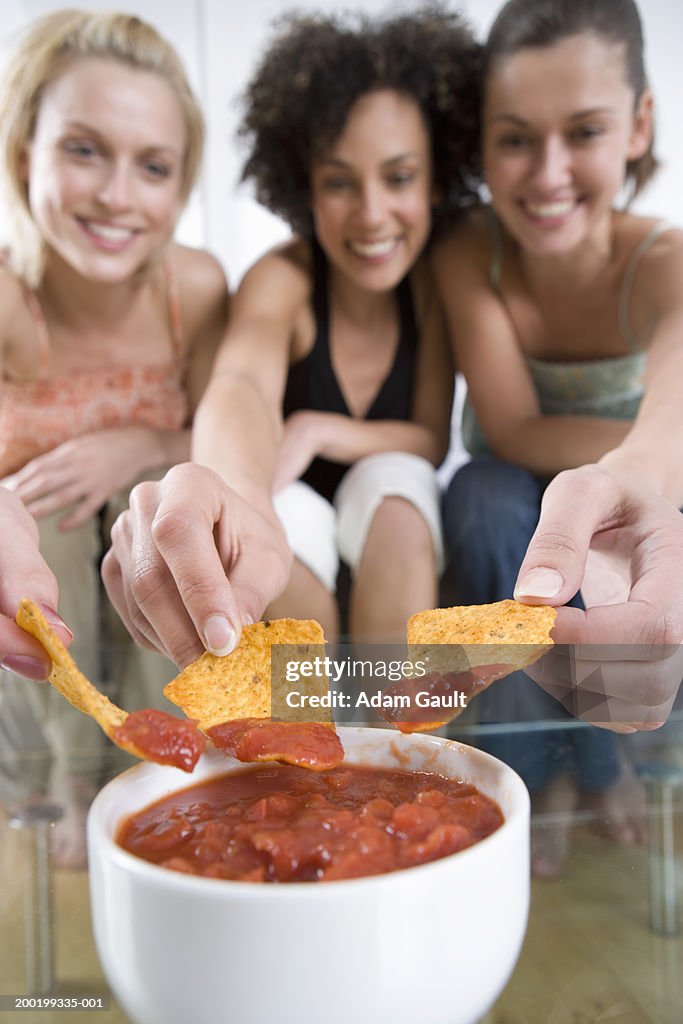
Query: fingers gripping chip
{"points": [[149, 734]]}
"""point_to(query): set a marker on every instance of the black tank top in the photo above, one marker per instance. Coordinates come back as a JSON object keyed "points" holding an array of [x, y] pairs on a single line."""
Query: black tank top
{"points": [[312, 384]]}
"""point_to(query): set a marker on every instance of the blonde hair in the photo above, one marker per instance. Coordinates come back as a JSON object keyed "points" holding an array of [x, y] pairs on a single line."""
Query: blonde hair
{"points": [[49, 46]]}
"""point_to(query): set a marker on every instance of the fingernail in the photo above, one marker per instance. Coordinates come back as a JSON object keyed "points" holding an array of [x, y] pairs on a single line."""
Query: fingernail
{"points": [[25, 665], [54, 619], [219, 636], [248, 620], [539, 582]]}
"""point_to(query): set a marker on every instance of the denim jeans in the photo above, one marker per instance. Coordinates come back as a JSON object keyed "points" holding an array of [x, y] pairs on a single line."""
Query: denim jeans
{"points": [[490, 512]]}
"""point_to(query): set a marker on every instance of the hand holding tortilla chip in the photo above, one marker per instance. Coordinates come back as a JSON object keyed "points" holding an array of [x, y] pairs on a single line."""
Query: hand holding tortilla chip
{"points": [[233, 698], [465, 649], [149, 734]]}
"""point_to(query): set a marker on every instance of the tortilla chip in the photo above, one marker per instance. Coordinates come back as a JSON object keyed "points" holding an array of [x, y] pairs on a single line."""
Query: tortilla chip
{"points": [[161, 737], [425, 703], [239, 700], [467, 648], [65, 675], [214, 690], [502, 633]]}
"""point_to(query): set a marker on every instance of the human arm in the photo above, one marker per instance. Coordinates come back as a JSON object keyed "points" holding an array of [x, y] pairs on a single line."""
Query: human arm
{"points": [[344, 439], [647, 464], [87, 470], [614, 530], [606, 528], [24, 573], [500, 386], [243, 401], [650, 454], [201, 553], [623, 514]]}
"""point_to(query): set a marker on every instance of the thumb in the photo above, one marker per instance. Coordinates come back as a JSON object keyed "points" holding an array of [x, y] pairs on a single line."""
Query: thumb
{"points": [[575, 506]]}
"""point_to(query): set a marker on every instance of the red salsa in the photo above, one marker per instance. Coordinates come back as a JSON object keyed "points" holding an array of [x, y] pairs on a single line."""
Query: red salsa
{"points": [[280, 823], [158, 736], [311, 745], [430, 701]]}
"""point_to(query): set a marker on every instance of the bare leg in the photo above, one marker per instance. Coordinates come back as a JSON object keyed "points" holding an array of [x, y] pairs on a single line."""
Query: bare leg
{"points": [[620, 809], [552, 808], [305, 597], [396, 575]]}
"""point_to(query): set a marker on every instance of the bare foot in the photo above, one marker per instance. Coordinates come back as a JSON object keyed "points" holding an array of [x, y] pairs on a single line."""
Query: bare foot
{"points": [[68, 839], [620, 810], [551, 819]]}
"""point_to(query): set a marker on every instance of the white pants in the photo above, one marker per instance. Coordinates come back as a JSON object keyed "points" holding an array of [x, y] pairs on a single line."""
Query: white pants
{"points": [[319, 533]]}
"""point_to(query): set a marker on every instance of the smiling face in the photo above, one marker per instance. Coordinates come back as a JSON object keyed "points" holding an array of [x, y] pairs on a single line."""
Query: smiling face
{"points": [[104, 168], [372, 191], [559, 127]]}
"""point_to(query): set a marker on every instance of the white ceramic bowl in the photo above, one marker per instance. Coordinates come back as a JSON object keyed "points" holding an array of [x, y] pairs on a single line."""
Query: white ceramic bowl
{"points": [[433, 944]]}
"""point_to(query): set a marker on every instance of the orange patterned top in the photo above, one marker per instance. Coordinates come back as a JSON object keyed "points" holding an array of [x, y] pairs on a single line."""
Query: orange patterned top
{"points": [[38, 415]]}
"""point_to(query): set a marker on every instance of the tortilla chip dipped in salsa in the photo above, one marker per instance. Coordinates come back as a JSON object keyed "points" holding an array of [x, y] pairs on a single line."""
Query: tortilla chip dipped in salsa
{"points": [[464, 650], [232, 699], [149, 734]]}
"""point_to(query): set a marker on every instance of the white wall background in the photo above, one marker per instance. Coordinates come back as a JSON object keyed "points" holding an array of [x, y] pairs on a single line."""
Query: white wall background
{"points": [[220, 45]]}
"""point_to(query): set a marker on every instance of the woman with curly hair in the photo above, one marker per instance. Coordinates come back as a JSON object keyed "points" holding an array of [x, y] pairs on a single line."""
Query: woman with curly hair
{"points": [[336, 358]]}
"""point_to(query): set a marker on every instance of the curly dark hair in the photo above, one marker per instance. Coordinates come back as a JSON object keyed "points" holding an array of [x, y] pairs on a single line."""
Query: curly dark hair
{"points": [[318, 66]]}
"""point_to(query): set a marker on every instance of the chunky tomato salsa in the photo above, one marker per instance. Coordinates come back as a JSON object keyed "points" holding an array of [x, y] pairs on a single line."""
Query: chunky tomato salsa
{"points": [[312, 745], [158, 736], [286, 824]]}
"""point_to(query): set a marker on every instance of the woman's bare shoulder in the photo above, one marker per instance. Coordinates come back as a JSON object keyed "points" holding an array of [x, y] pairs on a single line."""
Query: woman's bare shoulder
{"points": [[291, 258], [653, 249], [638, 237], [199, 273], [285, 270], [202, 290]]}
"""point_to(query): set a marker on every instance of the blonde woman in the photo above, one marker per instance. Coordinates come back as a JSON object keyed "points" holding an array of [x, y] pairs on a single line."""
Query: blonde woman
{"points": [[107, 327]]}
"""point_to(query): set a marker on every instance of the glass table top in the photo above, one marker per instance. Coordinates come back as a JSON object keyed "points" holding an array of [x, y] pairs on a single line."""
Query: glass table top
{"points": [[605, 935]]}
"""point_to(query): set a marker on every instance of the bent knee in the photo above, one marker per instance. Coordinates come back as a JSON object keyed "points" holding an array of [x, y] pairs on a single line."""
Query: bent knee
{"points": [[395, 494], [399, 521]]}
